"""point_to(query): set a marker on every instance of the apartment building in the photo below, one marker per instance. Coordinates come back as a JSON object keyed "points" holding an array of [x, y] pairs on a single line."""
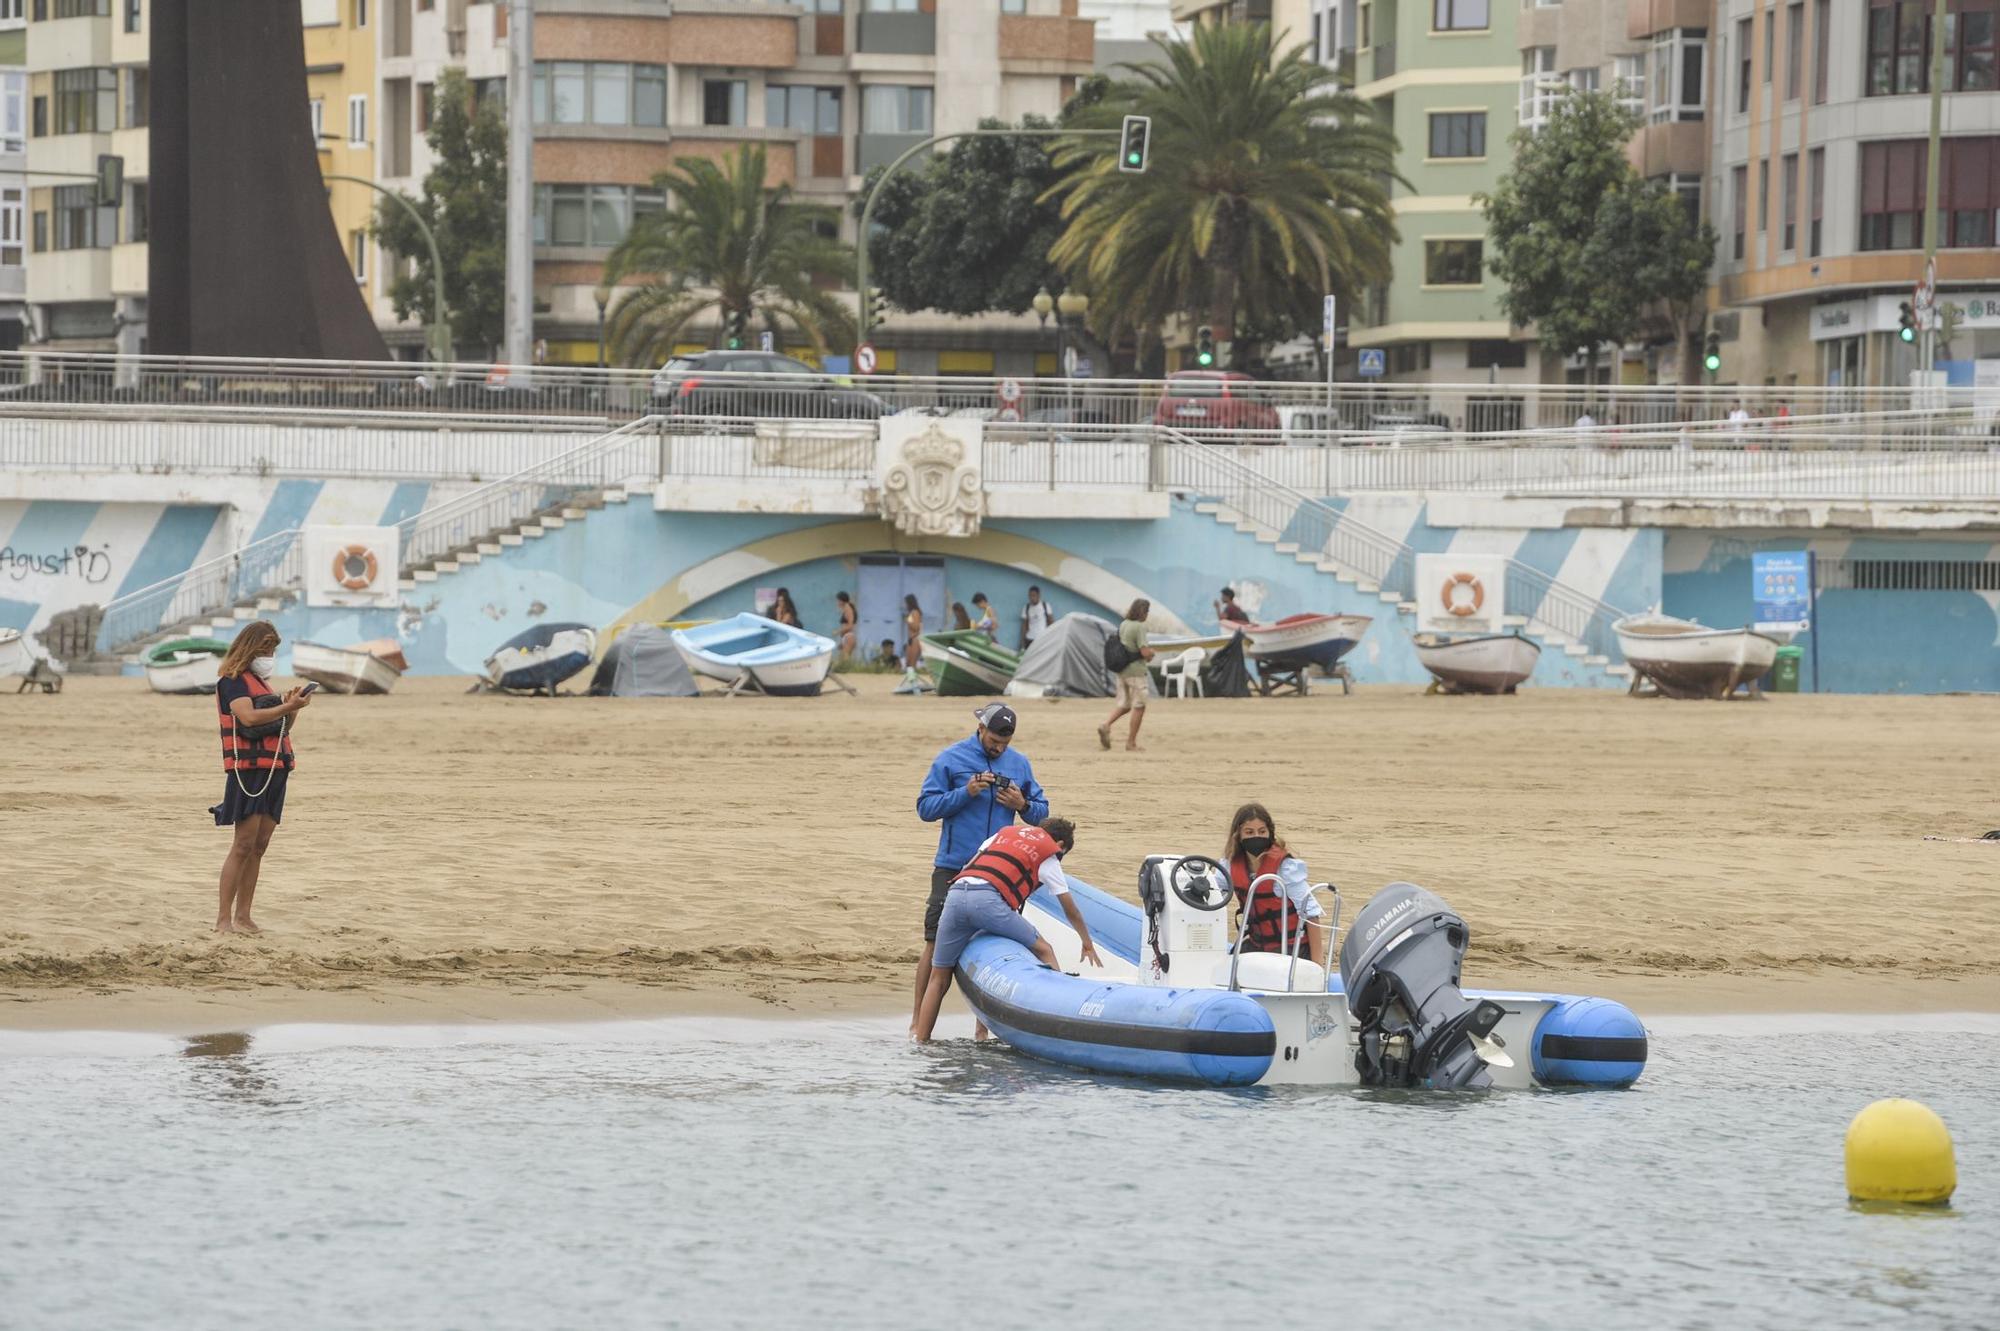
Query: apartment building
{"points": [[340, 41], [1817, 188], [88, 96], [1125, 28], [831, 88], [13, 173]]}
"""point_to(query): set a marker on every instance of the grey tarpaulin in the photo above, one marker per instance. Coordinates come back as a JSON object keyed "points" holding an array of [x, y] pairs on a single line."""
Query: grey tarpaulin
{"points": [[643, 663], [1066, 661]]}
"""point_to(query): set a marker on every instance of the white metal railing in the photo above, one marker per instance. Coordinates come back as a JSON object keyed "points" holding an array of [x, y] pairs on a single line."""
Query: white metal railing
{"points": [[207, 588]]}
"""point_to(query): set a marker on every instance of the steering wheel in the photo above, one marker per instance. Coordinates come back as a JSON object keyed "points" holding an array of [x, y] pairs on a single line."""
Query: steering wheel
{"points": [[1200, 882]]}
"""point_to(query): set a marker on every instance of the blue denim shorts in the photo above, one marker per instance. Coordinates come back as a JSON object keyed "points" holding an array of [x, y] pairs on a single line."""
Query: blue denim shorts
{"points": [[976, 908]]}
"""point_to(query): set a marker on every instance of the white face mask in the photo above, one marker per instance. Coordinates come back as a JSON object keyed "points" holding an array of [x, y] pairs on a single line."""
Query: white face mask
{"points": [[265, 666]]}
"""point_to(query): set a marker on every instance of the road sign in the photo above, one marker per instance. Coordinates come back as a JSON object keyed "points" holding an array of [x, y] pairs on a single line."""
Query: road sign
{"points": [[1326, 315], [1370, 362], [1781, 588], [1082, 368], [1010, 391], [765, 341], [864, 358]]}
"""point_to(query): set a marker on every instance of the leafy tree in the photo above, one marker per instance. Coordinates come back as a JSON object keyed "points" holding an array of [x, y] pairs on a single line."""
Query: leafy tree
{"points": [[731, 244], [1268, 186], [465, 205], [1585, 246]]}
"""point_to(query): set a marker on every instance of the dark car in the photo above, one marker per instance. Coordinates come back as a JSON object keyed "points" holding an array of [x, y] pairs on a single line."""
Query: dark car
{"points": [[1206, 402], [757, 383]]}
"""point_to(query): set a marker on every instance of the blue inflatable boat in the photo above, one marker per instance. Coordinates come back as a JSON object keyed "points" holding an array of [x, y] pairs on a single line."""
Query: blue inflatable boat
{"points": [[1283, 1022]]}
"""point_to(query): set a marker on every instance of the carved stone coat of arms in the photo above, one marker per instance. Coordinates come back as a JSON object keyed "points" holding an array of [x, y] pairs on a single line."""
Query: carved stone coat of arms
{"points": [[930, 482]]}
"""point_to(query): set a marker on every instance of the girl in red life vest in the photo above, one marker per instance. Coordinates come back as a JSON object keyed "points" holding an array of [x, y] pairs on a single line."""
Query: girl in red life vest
{"points": [[1279, 914], [254, 770]]}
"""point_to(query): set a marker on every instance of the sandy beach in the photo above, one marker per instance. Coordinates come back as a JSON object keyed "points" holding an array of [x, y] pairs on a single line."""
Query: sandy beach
{"points": [[448, 857]]}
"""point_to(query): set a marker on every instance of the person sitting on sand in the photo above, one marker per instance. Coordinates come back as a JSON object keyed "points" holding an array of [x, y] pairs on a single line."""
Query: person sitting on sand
{"points": [[1277, 917], [987, 898], [885, 655], [255, 770], [784, 611]]}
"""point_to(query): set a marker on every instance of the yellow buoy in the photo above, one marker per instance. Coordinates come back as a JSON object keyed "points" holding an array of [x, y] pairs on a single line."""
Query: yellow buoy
{"points": [[1899, 1151]]}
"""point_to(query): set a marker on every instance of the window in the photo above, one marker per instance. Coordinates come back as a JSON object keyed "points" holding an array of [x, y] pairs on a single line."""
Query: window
{"points": [[13, 223], [1739, 189], [1629, 74], [13, 111], [1458, 134], [41, 233], [1742, 66], [86, 101], [1538, 96], [1816, 191], [357, 120], [1788, 202], [41, 119], [132, 15], [610, 93], [1495, 354], [360, 13], [1458, 15], [1763, 195], [1893, 181], [1795, 48], [594, 215], [138, 97], [1453, 263], [893, 108], [649, 96], [138, 212], [426, 106], [1688, 188], [357, 250], [1899, 47], [79, 9], [80, 224], [10, 9], [725, 102], [1013, 6], [1770, 44], [318, 109], [1679, 74], [890, 6], [805, 109], [560, 92], [492, 90], [1822, 28]]}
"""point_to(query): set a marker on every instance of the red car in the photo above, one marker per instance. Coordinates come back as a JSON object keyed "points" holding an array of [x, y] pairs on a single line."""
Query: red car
{"points": [[1209, 401]]}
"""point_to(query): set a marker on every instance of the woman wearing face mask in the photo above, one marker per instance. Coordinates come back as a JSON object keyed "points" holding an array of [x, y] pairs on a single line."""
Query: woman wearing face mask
{"points": [[1277, 921], [255, 767]]}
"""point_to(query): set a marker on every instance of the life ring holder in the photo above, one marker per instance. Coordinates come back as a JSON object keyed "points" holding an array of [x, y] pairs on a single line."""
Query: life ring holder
{"points": [[1458, 608], [355, 582]]}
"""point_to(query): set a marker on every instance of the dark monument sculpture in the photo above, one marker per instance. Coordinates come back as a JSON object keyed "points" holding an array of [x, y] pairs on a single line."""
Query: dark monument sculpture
{"points": [[244, 258]]}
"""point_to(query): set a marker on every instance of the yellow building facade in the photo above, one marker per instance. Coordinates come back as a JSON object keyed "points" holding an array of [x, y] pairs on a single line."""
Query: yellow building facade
{"points": [[340, 86]]}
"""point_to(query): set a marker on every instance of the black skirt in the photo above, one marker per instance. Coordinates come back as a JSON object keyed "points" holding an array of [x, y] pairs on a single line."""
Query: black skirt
{"points": [[236, 805]]}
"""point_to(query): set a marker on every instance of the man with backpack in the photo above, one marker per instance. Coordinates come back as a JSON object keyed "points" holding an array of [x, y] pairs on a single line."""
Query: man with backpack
{"points": [[1126, 656]]}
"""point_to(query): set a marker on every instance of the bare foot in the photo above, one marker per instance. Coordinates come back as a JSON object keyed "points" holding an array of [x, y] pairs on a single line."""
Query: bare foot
{"points": [[1135, 748], [224, 927], [1104, 736], [980, 1033], [244, 925]]}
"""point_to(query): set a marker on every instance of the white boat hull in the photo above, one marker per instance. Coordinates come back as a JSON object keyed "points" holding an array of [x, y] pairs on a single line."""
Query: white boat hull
{"points": [[14, 658], [1319, 641], [1489, 663], [1685, 660], [802, 675], [195, 675], [342, 669]]}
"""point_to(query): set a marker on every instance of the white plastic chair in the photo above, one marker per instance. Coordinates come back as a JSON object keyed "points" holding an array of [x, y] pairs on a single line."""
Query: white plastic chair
{"points": [[1178, 672]]}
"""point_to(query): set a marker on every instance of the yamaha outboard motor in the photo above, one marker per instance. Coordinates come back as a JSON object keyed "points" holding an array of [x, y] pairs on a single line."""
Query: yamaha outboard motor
{"points": [[1400, 966]]}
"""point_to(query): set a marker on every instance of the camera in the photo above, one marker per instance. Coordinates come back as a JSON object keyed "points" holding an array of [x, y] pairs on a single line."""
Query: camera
{"points": [[1000, 782]]}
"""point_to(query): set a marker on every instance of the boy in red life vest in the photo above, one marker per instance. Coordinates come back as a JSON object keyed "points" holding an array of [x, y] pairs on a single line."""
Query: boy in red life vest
{"points": [[987, 899], [1278, 916]]}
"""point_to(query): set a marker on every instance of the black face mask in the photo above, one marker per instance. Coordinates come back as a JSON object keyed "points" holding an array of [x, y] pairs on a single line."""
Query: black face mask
{"points": [[1254, 846]]}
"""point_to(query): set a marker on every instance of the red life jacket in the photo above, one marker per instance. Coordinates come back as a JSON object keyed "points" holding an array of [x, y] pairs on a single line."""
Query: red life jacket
{"points": [[252, 755], [1272, 917], [1011, 860]]}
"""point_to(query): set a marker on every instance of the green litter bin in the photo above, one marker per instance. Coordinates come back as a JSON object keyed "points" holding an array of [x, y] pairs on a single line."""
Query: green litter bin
{"points": [[1785, 670]]}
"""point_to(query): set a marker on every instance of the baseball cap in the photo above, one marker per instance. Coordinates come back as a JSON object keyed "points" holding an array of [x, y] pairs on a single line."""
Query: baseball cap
{"points": [[997, 717]]}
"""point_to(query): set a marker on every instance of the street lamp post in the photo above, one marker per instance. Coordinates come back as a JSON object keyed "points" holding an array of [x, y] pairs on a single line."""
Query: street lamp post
{"points": [[603, 299], [1071, 305], [440, 333]]}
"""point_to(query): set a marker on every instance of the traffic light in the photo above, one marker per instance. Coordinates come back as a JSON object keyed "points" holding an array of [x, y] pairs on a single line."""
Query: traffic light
{"points": [[873, 308], [1711, 354], [1906, 328], [738, 320], [1204, 346], [1135, 143]]}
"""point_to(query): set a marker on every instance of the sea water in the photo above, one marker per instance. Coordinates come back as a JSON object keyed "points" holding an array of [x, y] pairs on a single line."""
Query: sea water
{"points": [[827, 1174]]}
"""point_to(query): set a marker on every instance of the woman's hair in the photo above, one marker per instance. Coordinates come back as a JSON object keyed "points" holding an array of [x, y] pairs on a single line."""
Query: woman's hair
{"points": [[1244, 815], [910, 603], [840, 597], [1139, 609], [257, 638], [784, 598], [960, 619]]}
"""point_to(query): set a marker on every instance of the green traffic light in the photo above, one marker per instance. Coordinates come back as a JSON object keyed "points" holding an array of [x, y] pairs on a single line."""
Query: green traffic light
{"points": [[1907, 333], [1713, 362], [1205, 358]]}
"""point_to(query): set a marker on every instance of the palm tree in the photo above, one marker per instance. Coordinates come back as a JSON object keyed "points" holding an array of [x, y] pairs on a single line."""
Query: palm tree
{"points": [[1268, 186], [731, 244]]}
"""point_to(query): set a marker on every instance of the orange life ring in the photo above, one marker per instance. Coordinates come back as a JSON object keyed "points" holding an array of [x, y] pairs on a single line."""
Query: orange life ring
{"points": [[1463, 608], [343, 565]]}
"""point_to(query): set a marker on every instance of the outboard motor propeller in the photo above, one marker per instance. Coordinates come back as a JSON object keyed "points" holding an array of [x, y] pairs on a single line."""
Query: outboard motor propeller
{"points": [[1399, 966]]}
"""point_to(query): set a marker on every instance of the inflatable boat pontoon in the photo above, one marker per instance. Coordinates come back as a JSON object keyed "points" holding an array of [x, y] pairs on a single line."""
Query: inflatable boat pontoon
{"points": [[1172, 1000]]}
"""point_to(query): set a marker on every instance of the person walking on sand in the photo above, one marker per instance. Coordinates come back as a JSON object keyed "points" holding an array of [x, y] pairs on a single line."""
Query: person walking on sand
{"points": [[974, 788], [1133, 680], [986, 623], [847, 637], [257, 761], [1036, 616], [987, 897], [913, 633]]}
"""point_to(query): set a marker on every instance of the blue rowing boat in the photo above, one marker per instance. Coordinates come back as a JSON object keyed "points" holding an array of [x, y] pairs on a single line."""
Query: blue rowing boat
{"points": [[750, 650]]}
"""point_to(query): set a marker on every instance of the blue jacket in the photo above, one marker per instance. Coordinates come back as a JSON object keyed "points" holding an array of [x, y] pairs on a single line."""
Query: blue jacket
{"points": [[968, 818]]}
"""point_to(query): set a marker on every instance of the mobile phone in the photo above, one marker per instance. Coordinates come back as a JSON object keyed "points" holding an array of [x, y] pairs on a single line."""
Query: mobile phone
{"points": [[311, 686]]}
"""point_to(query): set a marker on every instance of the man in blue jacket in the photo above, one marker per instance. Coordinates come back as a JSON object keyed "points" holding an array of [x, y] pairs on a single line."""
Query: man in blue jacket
{"points": [[974, 787]]}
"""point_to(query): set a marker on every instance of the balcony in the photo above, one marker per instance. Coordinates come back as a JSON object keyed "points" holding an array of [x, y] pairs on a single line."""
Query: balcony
{"points": [[60, 277], [897, 34], [1384, 61]]}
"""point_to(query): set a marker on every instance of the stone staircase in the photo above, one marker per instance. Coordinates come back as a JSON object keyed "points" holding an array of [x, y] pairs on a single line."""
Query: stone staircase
{"points": [[572, 508], [1234, 518]]}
